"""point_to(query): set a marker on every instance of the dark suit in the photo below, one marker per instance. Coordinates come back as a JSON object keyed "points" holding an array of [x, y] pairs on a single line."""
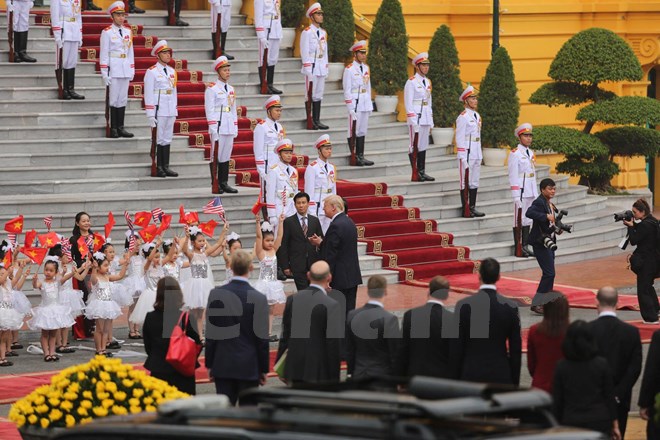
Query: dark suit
{"points": [[651, 386], [372, 341], [296, 252], [339, 250], [538, 212], [312, 326], [643, 262], [619, 343], [489, 347], [424, 351], [236, 337]]}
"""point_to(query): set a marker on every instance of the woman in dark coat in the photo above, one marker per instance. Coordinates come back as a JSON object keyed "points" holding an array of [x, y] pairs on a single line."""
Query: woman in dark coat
{"points": [[83, 328], [157, 328]]}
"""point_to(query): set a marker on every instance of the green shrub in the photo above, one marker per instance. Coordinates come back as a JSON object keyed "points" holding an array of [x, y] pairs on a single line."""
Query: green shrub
{"points": [[636, 110], [631, 141], [388, 49], [292, 13], [339, 23], [445, 77]]}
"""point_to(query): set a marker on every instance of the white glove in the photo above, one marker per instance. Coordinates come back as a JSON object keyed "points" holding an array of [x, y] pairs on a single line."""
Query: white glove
{"points": [[80, 42], [153, 121], [10, 6], [213, 132], [353, 114], [31, 5], [464, 163], [307, 71], [413, 123], [264, 43], [107, 80], [58, 41]]}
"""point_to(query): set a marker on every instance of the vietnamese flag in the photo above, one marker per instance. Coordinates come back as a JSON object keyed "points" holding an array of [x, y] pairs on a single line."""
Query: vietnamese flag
{"points": [[257, 206], [82, 247], [192, 217], [108, 226], [142, 219], [149, 233], [208, 227], [6, 261], [48, 240], [99, 241], [165, 222], [15, 225], [182, 215], [29, 238], [37, 255]]}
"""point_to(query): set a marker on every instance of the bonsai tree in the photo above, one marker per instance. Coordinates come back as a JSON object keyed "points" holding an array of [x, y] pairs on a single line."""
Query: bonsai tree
{"points": [[445, 77], [586, 60], [341, 29], [499, 105], [388, 49], [292, 12]]}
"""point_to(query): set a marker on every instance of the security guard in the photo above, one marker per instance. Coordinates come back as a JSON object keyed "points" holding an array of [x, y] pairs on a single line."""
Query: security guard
{"points": [[314, 54], [66, 24], [160, 102], [117, 66], [321, 180], [21, 25], [522, 178], [357, 96], [417, 98], [220, 104], [268, 24], [222, 8], [468, 144], [281, 184]]}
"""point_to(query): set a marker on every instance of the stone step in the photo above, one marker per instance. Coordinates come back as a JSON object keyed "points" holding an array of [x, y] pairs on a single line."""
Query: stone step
{"points": [[285, 63], [78, 144], [40, 68]]}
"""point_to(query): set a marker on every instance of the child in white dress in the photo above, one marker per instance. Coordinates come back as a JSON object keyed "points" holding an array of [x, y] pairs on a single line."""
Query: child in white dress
{"points": [[173, 263], [134, 281], [231, 245], [18, 273], [10, 318], [153, 272], [122, 296]]}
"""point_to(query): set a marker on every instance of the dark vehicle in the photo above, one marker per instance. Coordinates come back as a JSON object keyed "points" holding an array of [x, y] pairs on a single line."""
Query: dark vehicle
{"points": [[431, 409]]}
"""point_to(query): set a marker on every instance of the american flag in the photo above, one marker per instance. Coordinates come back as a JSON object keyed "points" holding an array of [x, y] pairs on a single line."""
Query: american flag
{"points": [[66, 248], [214, 207], [129, 222], [157, 215], [89, 241], [131, 243], [48, 221], [12, 238]]}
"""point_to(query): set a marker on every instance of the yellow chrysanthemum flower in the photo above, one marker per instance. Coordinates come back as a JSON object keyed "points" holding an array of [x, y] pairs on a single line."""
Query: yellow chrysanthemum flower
{"points": [[104, 376], [135, 409], [82, 412], [119, 410], [54, 402], [42, 409], [138, 392], [69, 420], [66, 405], [120, 396], [148, 400], [55, 415], [87, 394], [100, 411], [128, 383], [86, 404], [107, 403], [111, 387], [33, 419], [44, 423], [85, 420]]}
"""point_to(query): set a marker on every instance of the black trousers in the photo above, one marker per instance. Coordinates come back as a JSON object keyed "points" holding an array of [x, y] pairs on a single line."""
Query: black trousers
{"points": [[183, 383], [350, 294], [622, 411], [233, 387], [300, 278], [546, 259], [646, 295]]}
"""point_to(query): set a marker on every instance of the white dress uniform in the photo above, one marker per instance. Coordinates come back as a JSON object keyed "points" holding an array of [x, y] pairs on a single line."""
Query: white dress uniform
{"points": [[222, 7], [314, 54], [281, 187], [117, 62], [266, 136], [320, 183], [357, 96], [21, 10], [160, 85], [468, 144], [522, 178], [267, 17], [66, 23], [220, 105], [419, 113]]}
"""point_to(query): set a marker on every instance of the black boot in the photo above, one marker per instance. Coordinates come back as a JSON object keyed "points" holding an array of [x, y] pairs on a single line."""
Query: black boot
{"points": [[316, 116], [214, 54], [121, 112], [515, 245], [91, 6], [71, 73], [113, 123], [65, 85], [177, 12], [160, 161], [223, 176], [421, 167], [527, 251], [462, 197], [270, 75], [215, 174], [134, 9], [473, 203], [22, 53], [17, 47], [223, 39], [359, 153], [166, 162]]}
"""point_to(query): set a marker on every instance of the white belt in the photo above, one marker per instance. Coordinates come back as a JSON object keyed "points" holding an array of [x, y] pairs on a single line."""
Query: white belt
{"points": [[358, 90], [268, 17], [117, 55], [467, 138], [526, 174], [164, 91], [70, 19], [223, 109], [421, 102], [325, 191]]}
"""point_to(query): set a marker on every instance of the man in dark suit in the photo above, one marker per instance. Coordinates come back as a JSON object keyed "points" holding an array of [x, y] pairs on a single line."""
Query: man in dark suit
{"points": [[372, 335], [489, 346], [650, 388], [619, 343], [237, 332], [296, 254], [339, 249], [312, 328], [426, 340], [542, 212]]}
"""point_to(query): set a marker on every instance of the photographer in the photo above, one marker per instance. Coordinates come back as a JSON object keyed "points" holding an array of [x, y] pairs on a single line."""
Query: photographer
{"points": [[543, 235], [643, 261]]}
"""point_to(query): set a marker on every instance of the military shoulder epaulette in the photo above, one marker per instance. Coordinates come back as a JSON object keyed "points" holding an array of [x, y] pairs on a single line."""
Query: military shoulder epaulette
{"points": [[463, 112], [263, 121], [153, 67], [125, 26], [411, 78], [514, 150], [274, 166], [312, 164], [108, 28], [307, 28], [211, 84], [349, 66]]}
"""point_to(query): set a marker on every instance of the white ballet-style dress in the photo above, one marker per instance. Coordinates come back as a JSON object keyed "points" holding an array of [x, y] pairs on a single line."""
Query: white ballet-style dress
{"points": [[119, 292], [101, 304], [21, 303], [229, 274], [10, 318], [134, 281], [197, 288], [145, 303], [50, 314], [268, 284], [70, 297], [173, 269]]}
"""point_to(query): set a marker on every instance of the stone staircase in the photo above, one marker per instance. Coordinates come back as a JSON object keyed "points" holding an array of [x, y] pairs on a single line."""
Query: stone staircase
{"points": [[57, 162]]}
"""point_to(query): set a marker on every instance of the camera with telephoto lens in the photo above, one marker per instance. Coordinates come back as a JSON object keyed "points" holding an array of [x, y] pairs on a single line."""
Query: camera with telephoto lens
{"points": [[623, 215], [559, 226], [549, 243]]}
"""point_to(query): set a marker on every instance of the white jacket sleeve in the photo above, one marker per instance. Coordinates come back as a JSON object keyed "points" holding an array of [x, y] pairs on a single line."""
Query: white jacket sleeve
{"points": [[104, 56], [347, 82], [461, 147], [514, 176]]}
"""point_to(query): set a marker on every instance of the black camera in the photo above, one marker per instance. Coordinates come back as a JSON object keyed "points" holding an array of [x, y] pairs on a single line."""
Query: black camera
{"points": [[624, 215], [559, 226], [549, 243]]}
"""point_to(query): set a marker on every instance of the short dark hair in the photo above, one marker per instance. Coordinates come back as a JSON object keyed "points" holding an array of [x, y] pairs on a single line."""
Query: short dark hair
{"points": [[300, 195], [579, 343], [546, 183], [376, 286], [489, 271], [439, 287]]}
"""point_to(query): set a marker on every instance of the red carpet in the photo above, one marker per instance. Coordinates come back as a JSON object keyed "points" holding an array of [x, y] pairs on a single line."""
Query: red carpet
{"points": [[8, 430]]}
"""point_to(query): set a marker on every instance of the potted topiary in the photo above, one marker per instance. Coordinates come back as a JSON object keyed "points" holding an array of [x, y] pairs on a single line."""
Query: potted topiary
{"points": [[388, 55], [499, 107], [339, 24], [447, 87], [292, 14]]}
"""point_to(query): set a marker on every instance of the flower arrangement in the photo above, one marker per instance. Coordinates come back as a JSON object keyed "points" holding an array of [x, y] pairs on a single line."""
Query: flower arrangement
{"points": [[99, 388]]}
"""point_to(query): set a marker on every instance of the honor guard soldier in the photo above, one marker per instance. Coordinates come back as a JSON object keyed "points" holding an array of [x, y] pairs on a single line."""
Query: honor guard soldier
{"points": [[117, 67], [468, 145], [66, 23], [321, 180], [524, 190], [266, 136], [281, 184], [268, 24], [21, 25], [222, 8], [419, 113], [220, 104], [357, 96], [160, 103], [314, 54]]}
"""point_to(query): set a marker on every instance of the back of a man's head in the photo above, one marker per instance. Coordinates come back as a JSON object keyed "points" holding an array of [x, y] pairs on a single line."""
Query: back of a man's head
{"points": [[439, 288], [607, 297], [319, 272], [241, 261], [336, 201], [376, 286], [489, 271]]}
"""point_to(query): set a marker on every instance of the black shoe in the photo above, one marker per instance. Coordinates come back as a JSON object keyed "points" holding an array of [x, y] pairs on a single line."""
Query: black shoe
{"points": [[228, 189], [25, 58], [114, 345], [113, 133], [475, 213], [121, 113], [123, 133], [160, 172], [230, 57], [75, 95], [223, 39], [134, 9], [91, 6], [64, 350], [223, 178], [11, 354], [16, 346], [180, 22], [273, 91], [270, 79], [274, 338]]}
